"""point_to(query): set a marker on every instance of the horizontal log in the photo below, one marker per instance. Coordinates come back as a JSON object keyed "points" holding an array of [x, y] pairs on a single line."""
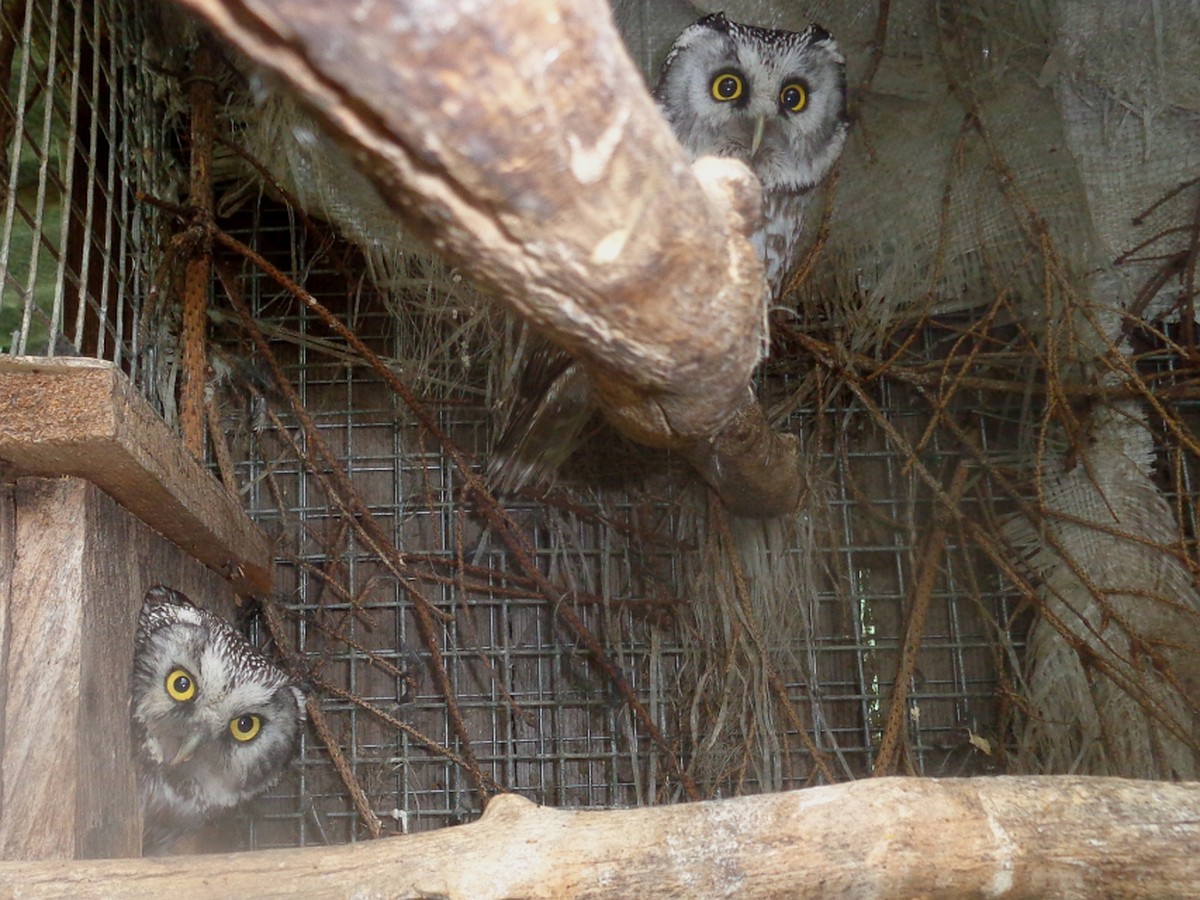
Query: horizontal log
{"points": [[887, 837], [82, 417]]}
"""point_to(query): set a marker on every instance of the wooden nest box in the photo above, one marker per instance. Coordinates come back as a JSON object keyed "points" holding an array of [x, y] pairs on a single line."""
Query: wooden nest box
{"points": [[99, 501]]}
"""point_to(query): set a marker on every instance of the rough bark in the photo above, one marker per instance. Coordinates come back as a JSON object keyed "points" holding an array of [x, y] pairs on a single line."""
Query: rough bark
{"points": [[518, 138], [890, 837]]}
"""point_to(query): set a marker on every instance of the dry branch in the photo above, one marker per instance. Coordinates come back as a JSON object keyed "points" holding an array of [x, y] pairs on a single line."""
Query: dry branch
{"points": [[892, 837], [198, 267], [520, 141]]}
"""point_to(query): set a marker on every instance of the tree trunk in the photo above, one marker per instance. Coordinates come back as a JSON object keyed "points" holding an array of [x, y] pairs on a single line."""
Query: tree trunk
{"points": [[888, 837], [520, 141]]}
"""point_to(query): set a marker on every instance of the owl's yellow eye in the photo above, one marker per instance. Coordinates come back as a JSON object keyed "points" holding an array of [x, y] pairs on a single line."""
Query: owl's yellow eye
{"points": [[793, 97], [245, 727], [726, 87], [180, 685]]}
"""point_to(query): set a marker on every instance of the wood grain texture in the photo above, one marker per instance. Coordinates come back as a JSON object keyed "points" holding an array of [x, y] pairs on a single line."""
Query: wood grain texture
{"points": [[83, 418], [7, 554], [879, 838], [45, 626], [586, 218], [77, 566]]}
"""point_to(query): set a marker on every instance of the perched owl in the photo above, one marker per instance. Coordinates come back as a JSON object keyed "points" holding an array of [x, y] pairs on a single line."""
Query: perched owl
{"points": [[214, 721], [776, 100]]}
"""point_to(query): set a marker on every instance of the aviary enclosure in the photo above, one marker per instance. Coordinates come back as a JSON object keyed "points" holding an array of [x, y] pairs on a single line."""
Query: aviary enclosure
{"points": [[988, 358]]}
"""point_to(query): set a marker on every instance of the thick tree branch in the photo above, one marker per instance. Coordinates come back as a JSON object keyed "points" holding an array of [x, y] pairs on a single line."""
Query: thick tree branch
{"points": [[520, 141], [888, 837]]}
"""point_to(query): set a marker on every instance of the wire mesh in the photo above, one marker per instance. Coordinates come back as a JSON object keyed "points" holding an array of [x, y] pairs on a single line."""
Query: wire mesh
{"points": [[83, 123]]}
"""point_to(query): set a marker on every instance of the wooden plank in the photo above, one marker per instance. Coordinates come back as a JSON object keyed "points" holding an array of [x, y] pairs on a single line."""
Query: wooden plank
{"points": [[7, 558], [79, 567], [41, 684], [82, 417]]}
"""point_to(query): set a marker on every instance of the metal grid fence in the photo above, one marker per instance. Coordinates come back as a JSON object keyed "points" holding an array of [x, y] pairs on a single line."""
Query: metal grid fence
{"points": [[84, 126]]}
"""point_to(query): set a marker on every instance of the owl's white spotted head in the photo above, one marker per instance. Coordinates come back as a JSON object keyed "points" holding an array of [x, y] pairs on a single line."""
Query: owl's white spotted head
{"points": [[216, 721], [774, 99]]}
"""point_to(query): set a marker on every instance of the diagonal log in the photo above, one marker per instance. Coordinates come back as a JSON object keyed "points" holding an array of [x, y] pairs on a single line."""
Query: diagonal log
{"points": [[519, 140]]}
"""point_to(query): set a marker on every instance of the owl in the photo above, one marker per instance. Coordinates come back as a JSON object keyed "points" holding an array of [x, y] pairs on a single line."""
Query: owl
{"points": [[214, 721], [776, 100]]}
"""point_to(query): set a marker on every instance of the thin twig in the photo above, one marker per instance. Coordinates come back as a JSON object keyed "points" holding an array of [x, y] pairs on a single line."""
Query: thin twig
{"points": [[357, 795], [717, 512], [927, 571], [317, 717]]}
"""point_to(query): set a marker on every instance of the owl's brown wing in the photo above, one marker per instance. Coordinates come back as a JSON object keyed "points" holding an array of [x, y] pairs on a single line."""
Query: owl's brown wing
{"points": [[546, 426]]}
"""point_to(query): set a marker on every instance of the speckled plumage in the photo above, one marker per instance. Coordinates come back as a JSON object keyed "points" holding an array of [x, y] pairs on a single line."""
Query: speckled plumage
{"points": [[797, 147], [191, 767]]}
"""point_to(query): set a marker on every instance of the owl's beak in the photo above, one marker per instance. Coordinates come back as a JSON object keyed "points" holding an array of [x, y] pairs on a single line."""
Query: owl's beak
{"points": [[760, 125], [186, 749]]}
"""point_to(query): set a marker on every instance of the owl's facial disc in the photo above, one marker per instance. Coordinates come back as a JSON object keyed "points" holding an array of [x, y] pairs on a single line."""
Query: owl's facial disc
{"points": [[179, 743]]}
